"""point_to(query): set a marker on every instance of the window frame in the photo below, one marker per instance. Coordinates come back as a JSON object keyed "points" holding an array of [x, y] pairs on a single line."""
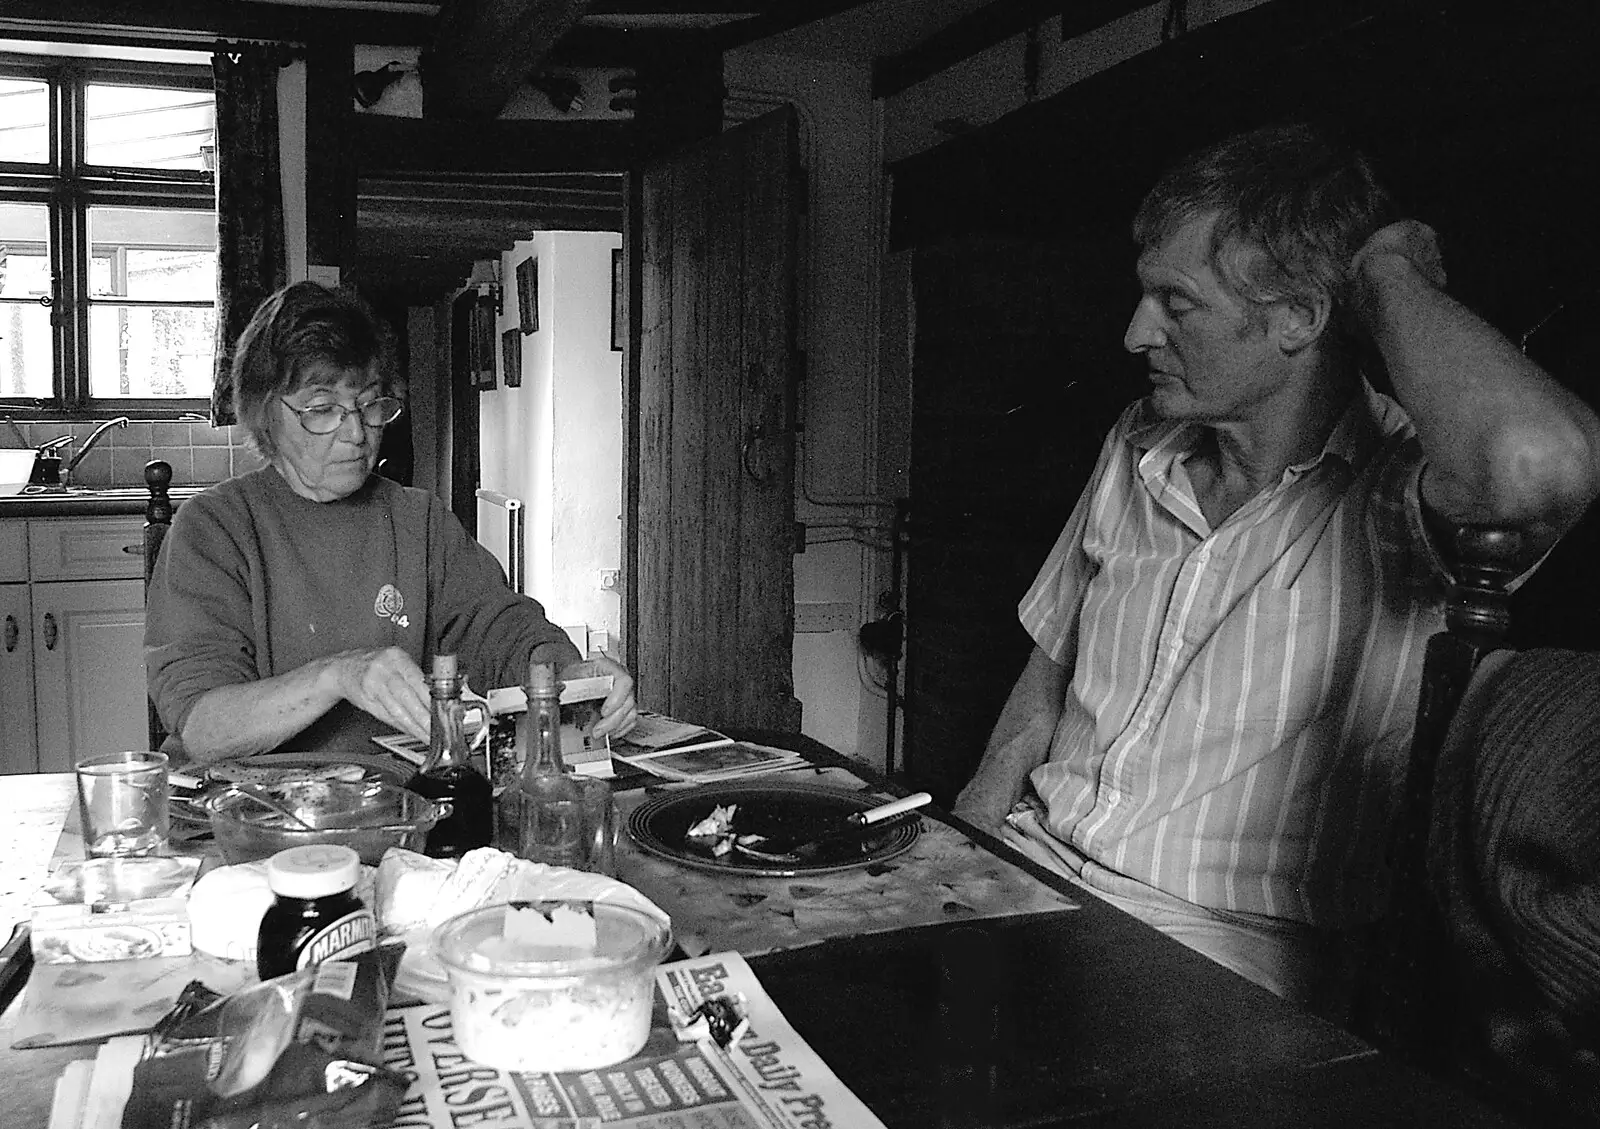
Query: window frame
{"points": [[69, 186]]}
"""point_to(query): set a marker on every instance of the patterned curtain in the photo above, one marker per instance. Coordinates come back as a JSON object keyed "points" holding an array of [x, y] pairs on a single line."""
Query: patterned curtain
{"points": [[251, 261]]}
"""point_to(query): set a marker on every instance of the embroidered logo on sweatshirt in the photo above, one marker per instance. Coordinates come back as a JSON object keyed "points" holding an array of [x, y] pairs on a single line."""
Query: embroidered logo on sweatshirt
{"points": [[391, 605]]}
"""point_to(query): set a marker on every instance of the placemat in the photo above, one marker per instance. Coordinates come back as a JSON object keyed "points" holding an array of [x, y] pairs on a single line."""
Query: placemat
{"points": [[944, 876], [86, 1002]]}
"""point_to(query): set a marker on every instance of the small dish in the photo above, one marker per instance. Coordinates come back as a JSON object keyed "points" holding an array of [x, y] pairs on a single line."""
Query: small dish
{"points": [[367, 817], [660, 827]]}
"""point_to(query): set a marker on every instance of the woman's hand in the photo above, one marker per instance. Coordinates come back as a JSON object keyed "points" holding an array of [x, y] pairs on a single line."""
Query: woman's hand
{"points": [[618, 713], [253, 717], [388, 685]]}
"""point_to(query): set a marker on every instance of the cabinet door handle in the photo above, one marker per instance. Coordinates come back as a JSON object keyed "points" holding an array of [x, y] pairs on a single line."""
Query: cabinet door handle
{"points": [[11, 633], [50, 631]]}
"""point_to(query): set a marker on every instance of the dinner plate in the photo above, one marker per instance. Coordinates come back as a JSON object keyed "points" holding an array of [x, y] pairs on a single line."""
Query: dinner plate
{"points": [[660, 826]]}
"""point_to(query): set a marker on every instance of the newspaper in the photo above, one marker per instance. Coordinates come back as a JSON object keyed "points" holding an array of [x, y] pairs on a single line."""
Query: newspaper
{"points": [[768, 1078]]}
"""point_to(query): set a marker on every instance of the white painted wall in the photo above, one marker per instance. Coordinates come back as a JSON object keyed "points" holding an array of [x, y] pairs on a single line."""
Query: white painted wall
{"points": [[556, 442]]}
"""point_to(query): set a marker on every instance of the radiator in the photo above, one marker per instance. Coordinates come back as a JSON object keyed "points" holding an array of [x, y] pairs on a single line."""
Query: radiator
{"points": [[500, 531]]}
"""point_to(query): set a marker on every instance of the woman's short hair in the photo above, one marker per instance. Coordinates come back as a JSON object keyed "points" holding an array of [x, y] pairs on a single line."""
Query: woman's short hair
{"points": [[1292, 208], [301, 324]]}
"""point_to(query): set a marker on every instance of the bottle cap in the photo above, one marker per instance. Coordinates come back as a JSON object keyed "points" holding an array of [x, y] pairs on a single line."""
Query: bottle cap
{"points": [[313, 871], [444, 666]]}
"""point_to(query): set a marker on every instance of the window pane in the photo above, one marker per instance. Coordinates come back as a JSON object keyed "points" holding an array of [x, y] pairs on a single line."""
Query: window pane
{"points": [[26, 368], [160, 254], [149, 128], [150, 350], [24, 250], [24, 120]]}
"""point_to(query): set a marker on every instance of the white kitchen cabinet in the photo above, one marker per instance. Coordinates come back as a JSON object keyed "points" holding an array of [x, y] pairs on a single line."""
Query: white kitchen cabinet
{"points": [[17, 742], [74, 681], [88, 669]]}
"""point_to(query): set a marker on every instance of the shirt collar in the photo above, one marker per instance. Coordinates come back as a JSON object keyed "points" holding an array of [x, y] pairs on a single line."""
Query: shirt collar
{"points": [[1368, 420]]}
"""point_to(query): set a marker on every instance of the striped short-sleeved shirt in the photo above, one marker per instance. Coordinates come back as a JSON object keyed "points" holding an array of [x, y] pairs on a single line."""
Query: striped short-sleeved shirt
{"points": [[1242, 698]]}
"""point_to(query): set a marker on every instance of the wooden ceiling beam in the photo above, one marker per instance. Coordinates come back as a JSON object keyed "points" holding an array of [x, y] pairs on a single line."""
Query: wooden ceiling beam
{"points": [[483, 50], [200, 22], [983, 28], [385, 144]]}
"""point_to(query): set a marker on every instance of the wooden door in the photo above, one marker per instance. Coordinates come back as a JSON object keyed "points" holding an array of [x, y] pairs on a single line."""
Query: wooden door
{"points": [[18, 751], [89, 669], [713, 486]]}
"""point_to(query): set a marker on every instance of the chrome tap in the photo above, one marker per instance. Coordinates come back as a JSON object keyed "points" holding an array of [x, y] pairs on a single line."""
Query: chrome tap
{"points": [[88, 444]]}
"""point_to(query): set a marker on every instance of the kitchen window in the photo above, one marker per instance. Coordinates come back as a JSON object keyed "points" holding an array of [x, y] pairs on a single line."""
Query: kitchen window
{"points": [[108, 236]]}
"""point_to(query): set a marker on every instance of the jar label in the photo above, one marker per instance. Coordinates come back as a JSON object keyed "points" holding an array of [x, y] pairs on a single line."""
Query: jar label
{"points": [[351, 934]]}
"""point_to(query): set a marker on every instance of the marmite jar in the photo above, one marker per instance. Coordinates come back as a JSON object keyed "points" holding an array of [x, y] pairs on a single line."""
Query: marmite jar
{"points": [[316, 915]]}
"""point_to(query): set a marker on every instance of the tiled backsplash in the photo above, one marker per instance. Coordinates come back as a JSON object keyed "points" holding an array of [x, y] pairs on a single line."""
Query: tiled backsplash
{"points": [[199, 453]]}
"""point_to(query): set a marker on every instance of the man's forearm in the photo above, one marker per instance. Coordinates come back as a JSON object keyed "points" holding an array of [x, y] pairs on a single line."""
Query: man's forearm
{"points": [[1019, 743], [1505, 443]]}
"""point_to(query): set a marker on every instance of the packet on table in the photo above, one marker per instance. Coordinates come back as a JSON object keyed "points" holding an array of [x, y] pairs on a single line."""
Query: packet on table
{"points": [[300, 1050]]}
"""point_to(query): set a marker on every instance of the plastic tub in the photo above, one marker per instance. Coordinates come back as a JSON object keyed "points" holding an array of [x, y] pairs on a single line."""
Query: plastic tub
{"points": [[516, 1010], [368, 817]]}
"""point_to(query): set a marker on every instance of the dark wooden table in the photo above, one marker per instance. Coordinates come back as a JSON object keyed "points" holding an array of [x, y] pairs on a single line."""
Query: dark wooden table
{"points": [[1081, 1017], [1084, 1017]]}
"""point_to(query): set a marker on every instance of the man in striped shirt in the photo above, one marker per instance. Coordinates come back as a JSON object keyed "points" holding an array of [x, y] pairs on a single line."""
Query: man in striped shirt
{"points": [[1229, 632]]}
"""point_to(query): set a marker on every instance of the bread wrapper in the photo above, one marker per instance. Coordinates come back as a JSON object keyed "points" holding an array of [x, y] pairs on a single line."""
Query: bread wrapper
{"points": [[416, 894]]}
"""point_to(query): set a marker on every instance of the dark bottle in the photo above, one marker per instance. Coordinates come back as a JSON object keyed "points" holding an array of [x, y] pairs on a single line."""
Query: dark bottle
{"points": [[315, 915], [541, 818], [448, 774]]}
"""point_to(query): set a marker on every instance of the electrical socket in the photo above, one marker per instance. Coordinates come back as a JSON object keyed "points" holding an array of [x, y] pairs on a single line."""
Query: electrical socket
{"points": [[610, 579]]}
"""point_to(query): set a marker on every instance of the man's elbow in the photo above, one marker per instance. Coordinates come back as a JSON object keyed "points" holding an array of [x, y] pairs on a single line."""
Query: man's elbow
{"points": [[1538, 480], [1551, 474]]}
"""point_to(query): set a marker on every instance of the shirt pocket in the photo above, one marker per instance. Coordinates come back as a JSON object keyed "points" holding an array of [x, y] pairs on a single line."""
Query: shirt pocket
{"points": [[1261, 671]]}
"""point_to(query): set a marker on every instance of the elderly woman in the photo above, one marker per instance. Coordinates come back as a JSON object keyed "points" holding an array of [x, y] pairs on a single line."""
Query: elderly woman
{"points": [[293, 607]]}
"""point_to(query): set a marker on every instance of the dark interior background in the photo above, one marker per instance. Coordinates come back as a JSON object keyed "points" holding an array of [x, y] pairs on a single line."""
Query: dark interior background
{"points": [[1482, 119]]}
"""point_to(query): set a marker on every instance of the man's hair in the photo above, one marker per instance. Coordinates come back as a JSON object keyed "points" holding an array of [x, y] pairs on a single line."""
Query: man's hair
{"points": [[1292, 209], [301, 324]]}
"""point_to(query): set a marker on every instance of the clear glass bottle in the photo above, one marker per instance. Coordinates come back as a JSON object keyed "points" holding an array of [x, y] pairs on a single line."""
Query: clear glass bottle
{"points": [[448, 775], [541, 819]]}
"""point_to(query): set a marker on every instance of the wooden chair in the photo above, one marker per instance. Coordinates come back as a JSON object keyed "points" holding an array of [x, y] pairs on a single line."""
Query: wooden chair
{"points": [[157, 520], [1428, 995], [1402, 1003]]}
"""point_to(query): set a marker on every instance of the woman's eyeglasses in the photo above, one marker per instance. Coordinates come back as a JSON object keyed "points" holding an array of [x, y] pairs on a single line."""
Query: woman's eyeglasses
{"points": [[325, 419]]}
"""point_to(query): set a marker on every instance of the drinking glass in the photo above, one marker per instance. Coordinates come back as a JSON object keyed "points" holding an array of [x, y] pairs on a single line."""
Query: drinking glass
{"points": [[599, 826], [122, 804]]}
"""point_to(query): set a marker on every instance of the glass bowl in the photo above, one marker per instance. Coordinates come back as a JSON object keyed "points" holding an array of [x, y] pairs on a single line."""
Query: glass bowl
{"points": [[369, 817], [516, 1004]]}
